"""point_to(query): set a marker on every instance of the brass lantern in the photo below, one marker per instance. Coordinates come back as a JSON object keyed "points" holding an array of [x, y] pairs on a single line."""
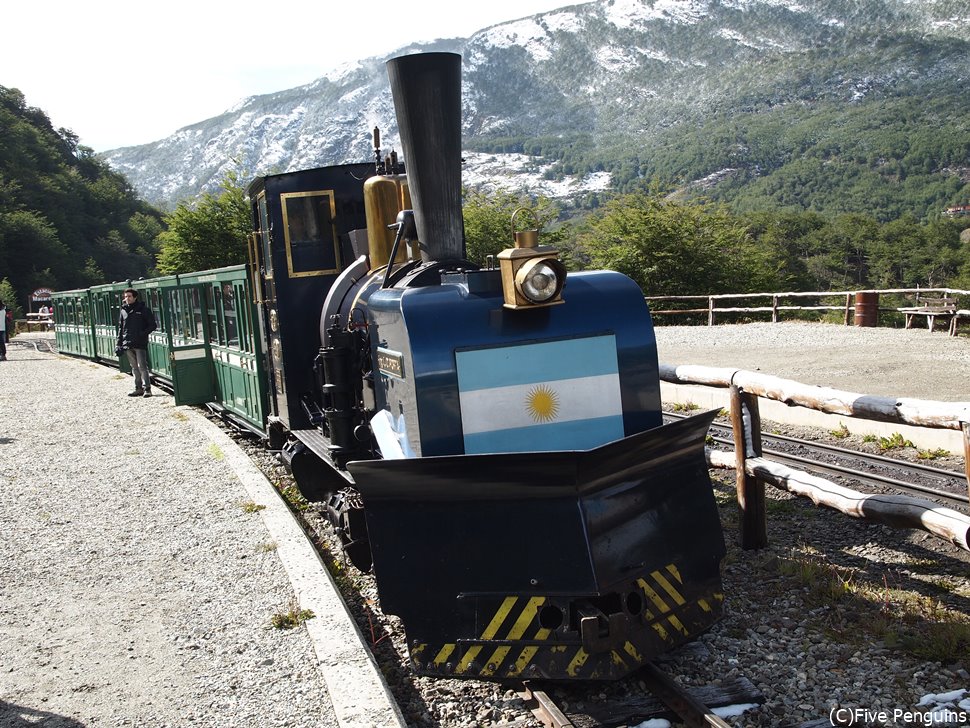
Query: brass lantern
{"points": [[532, 274]]}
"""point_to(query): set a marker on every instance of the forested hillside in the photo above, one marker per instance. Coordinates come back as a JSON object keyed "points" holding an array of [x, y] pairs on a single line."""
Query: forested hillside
{"points": [[66, 219]]}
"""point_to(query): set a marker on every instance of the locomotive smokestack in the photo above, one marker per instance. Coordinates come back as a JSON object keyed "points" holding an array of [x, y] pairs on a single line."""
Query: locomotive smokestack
{"points": [[427, 99]]}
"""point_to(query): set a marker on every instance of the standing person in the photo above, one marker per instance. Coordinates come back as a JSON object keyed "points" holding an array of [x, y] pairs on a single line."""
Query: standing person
{"points": [[3, 332], [135, 323]]}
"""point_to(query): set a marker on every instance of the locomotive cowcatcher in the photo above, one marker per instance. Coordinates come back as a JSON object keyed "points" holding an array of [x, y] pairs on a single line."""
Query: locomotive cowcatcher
{"points": [[489, 440]]}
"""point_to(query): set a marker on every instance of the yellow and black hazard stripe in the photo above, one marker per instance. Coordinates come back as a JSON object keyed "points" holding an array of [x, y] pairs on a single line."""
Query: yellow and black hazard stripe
{"points": [[514, 644], [663, 591]]}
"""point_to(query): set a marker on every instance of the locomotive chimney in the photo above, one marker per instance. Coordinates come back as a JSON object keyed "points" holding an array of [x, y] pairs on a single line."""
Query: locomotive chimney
{"points": [[427, 99]]}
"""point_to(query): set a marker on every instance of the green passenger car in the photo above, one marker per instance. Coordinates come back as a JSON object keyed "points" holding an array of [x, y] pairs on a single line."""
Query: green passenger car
{"points": [[207, 347], [73, 326], [230, 334], [156, 293], [105, 309]]}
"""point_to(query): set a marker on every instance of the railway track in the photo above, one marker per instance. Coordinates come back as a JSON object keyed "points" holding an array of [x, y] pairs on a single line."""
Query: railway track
{"points": [[667, 698], [946, 487]]}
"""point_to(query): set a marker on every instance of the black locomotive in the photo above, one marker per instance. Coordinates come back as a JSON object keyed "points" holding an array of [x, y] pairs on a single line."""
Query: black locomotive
{"points": [[488, 439]]}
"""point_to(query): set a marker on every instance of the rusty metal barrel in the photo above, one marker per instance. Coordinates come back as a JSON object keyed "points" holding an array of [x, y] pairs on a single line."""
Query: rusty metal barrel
{"points": [[866, 309]]}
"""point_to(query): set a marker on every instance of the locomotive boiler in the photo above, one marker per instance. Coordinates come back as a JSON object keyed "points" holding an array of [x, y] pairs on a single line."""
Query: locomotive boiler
{"points": [[490, 439]]}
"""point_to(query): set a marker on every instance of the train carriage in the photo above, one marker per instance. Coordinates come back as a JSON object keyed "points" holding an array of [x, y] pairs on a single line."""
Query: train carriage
{"points": [[105, 308], [217, 345], [73, 329]]}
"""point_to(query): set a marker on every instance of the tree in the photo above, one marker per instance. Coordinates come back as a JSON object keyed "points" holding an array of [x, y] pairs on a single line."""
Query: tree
{"points": [[210, 234], [674, 249], [60, 206], [9, 297], [488, 222]]}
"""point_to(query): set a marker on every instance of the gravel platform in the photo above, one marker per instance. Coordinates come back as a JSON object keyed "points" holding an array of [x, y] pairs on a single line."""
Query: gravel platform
{"points": [[137, 582]]}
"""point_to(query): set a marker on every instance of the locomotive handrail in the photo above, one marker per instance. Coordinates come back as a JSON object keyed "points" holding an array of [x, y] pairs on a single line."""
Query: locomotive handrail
{"points": [[846, 306], [753, 470]]}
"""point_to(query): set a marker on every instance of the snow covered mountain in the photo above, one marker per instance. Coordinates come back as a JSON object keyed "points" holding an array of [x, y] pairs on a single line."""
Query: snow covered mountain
{"points": [[606, 82]]}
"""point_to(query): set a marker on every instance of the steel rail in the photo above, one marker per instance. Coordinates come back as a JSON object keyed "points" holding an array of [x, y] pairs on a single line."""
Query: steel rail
{"points": [[950, 498], [694, 713], [543, 707], [917, 469]]}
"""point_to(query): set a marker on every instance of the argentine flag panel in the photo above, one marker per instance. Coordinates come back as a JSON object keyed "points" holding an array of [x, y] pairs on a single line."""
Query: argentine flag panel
{"points": [[554, 395]]}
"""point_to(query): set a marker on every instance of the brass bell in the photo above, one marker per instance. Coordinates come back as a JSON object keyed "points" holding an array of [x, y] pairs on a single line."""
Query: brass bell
{"points": [[526, 238]]}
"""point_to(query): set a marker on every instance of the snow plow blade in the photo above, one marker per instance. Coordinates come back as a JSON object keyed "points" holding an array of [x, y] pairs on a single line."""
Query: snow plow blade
{"points": [[556, 565]]}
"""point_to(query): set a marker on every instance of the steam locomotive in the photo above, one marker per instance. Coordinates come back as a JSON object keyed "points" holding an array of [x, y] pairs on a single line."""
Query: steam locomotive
{"points": [[488, 440], [492, 438]]}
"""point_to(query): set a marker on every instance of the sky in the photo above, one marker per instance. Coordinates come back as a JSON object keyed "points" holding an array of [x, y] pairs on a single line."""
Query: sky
{"points": [[124, 73]]}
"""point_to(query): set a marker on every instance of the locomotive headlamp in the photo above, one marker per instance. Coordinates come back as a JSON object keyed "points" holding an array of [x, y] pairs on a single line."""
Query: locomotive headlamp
{"points": [[532, 274], [540, 279]]}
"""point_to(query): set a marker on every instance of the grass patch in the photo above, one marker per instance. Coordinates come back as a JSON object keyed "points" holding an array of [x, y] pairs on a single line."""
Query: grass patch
{"points": [[687, 406], [293, 618], [267, 547], [841, 431], [932, 454], [252, 507], [216, 452], [180, 416], [864, 611], [894, 442], [293, 496]]}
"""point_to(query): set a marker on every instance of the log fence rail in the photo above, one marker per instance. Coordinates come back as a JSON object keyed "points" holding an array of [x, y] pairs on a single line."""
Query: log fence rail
{"points": [[753, 470]]}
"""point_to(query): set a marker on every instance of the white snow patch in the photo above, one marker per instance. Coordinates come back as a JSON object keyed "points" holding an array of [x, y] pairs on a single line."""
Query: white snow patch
{"points": [[527, 33], [946, 707], [627, 13], [522, 173], [564, 22], [344, 69], [353, 95], [654, 54], [732, 711], [615, 59]]}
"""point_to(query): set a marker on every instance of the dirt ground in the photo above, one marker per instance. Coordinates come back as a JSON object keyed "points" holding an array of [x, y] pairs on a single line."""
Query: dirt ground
{"points": [[913, 363]]}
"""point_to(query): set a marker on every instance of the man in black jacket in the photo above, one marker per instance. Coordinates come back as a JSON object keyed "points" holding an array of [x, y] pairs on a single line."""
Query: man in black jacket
{"points": [[135, 323]]}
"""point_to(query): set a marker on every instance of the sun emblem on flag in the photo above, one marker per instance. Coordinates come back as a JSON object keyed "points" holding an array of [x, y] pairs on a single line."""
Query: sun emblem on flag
{"points": [[542, 403]]}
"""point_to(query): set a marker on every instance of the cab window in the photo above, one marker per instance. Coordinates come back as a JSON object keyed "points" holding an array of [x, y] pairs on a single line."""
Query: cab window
{"points": [[311, 241]]}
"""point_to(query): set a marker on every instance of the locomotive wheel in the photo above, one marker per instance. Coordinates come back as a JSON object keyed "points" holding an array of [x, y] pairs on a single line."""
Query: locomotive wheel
{"points": [[346, 514]]}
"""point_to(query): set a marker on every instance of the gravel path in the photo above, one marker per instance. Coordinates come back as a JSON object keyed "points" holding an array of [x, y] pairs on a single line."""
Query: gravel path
{"points": [[135, 588]]}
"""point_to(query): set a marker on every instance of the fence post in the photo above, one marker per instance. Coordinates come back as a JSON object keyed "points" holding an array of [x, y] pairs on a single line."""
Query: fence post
{"points": [[746, 424], [710, 310], [965, 426], [774, 309], [848, 303]]}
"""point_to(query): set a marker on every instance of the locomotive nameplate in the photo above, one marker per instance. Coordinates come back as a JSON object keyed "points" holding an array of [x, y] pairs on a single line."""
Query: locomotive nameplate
{"points": [[390, 362]]}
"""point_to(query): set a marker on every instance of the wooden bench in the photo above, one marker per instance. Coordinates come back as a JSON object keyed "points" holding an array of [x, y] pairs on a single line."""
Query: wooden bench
{"points": [[958, 316], [933, 308]]}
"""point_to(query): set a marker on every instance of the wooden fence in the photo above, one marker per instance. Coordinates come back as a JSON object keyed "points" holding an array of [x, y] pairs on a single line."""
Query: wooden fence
{"points": [[776, 303], [753, 470]]}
